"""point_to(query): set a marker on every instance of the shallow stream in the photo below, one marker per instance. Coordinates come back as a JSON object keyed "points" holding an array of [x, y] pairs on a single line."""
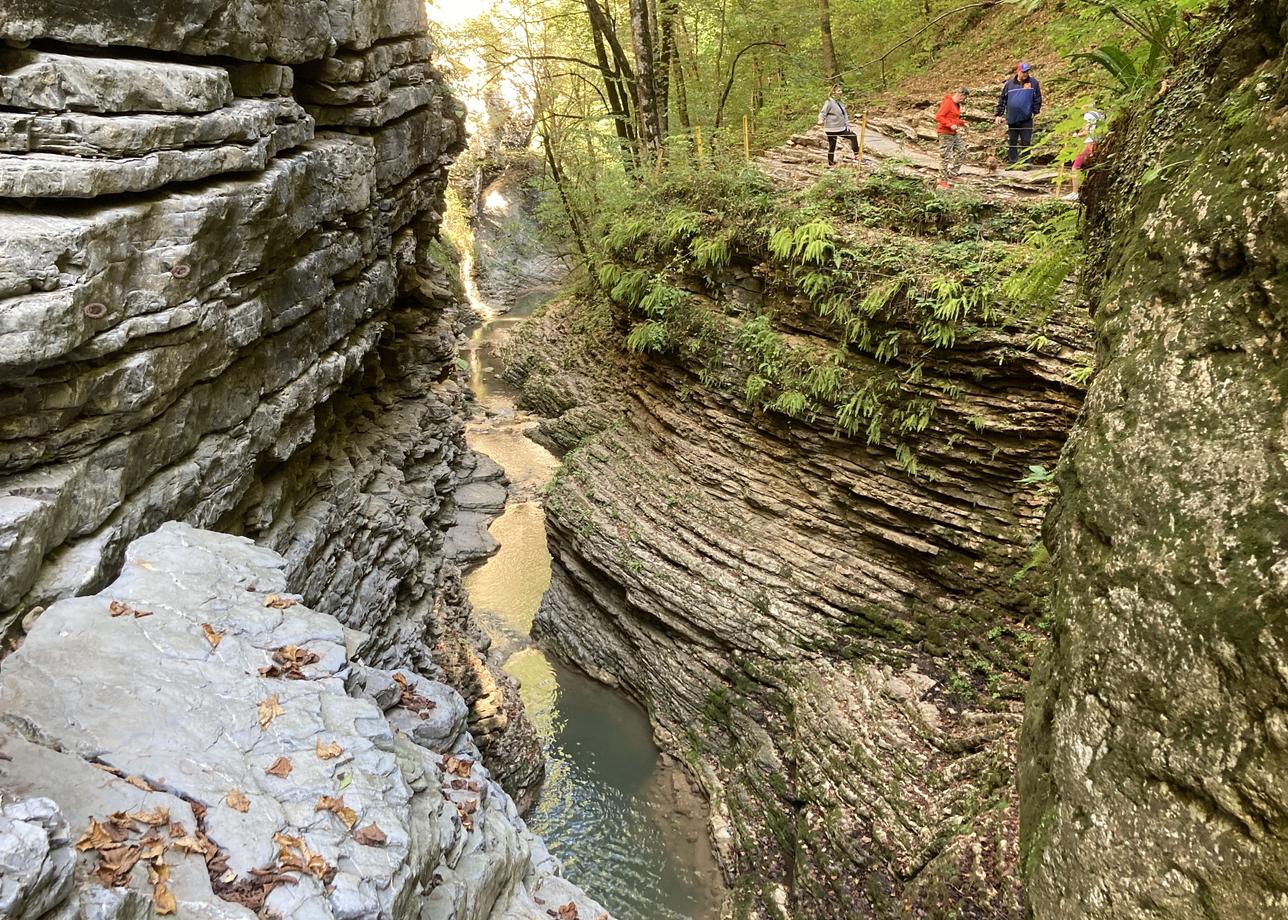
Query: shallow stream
{"points": [[621, 817]]}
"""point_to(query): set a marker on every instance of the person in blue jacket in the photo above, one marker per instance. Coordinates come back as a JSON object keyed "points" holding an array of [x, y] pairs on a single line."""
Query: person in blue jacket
{"points": [[1020, 101]]}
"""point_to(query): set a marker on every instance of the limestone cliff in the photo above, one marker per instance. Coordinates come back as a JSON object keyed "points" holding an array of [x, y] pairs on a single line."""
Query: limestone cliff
{"points": [[194, 741], [1155, 778], [223, 301], [835, 637]]}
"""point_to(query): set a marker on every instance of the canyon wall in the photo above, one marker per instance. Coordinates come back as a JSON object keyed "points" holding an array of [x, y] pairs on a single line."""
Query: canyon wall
{"points": [[836, 645], [223, 301], [1155, 776], [228, 758]]}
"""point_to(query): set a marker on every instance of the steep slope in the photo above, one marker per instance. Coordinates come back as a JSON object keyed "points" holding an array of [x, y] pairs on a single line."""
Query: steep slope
{"points": [[222, 301], [1155, 748], [791, 525]]}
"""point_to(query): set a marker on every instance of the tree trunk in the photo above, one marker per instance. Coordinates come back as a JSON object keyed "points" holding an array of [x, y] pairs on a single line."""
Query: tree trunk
{"points": [[666, 13], [617, 92], [830, 65], [681, 90], [645, 76]]}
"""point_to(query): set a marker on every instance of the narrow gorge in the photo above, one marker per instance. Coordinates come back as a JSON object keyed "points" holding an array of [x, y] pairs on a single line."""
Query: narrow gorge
{"points": [[497, 460]]}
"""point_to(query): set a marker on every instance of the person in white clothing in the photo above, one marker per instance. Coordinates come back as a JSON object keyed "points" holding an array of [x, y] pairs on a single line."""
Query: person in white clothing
{"points": [[836, 122]]}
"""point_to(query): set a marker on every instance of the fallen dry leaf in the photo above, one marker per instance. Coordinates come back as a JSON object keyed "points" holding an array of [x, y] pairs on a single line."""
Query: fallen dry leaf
{"points": [[277, 602], [294, 855], [237, 800], [119, 610], [189, 844], [371, 836], [412, 700], [139, 783], [177, 830], [269, 709], [152, 848], [568, 911], [154, 818], [95, 837], [458, 765], [165, 901], [281, 768], [213, 637], [336, 806], [289, 661], [329, 751]]}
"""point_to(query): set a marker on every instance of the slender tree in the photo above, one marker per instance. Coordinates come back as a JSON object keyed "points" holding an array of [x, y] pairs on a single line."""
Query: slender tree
{"points": [[645, 76], [830, 65]]}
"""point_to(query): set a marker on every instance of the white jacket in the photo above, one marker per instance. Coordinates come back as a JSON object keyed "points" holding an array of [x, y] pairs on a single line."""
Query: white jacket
{"points": [[833, 116]]}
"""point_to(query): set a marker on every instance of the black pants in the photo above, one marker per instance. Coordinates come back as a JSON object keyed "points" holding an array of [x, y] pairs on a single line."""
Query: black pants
{"points": [[1019, 140], [831, 143]]}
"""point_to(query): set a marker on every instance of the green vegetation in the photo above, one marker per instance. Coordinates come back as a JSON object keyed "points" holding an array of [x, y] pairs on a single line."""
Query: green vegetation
{"points": [[856, 324]]}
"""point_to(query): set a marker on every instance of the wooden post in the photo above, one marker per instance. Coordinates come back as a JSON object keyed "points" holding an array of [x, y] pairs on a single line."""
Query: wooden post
{"points": [[697, 135], [746, 136], [863, 136]]}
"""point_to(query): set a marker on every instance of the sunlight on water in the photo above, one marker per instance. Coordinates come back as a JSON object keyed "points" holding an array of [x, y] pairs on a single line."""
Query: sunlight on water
{"points": [[625, 823]]}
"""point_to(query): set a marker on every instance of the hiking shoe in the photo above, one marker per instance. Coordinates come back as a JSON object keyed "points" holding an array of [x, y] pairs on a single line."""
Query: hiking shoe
{"points": [[1072, 196]]}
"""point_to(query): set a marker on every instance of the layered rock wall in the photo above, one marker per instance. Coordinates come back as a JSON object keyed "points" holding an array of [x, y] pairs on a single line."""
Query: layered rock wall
{"points": [[194, 741], [838, 646], [222, 301], [1155, 768]]}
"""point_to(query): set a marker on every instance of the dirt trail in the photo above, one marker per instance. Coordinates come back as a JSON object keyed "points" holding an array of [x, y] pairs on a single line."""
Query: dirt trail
{"points": [[914, 148]]}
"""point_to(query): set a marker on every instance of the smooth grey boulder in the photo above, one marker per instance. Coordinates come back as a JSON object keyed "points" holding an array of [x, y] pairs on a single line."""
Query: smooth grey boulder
{"points": [[197, 684], [36, 858], [49, 82]]}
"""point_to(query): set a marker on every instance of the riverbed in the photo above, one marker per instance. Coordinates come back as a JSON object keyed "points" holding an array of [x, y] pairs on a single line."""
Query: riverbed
{"points": [[623, 818]]}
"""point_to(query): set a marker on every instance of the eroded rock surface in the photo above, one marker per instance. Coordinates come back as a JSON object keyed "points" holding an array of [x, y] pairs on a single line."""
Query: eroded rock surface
{"points": [[223, 301], [195, 685], [1155, 778], [839, 647]]}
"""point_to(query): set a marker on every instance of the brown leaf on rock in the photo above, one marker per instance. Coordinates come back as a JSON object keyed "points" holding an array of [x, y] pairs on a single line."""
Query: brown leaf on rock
{"points": [[139, 783], [152, 848], [269, 709], [289, 661], [189, 844], [165, 902], [457, 765], [335, 805], [295, 855], [371, 836], [465, 810], [177, 830], [237, 801], [154, 818], [277, 602], [412, 700], [568, 911], [281, 768], [213, 637], [118, 609], [95, 837], [329, 751]]}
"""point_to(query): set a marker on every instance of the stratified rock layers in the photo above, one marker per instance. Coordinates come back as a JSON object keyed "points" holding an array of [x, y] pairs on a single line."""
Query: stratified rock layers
{"points": [[838, 647], [223, 301], [234, 758], [1155, 777]]}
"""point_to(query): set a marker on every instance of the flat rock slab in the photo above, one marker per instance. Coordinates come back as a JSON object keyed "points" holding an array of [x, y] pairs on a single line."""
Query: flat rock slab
{"points": [[46, 82], [196, 685]]}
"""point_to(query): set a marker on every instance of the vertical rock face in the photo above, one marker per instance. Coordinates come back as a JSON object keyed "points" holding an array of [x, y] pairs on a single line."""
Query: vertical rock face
{"points": [[223, 301], [838, 647], [1155, 752]]}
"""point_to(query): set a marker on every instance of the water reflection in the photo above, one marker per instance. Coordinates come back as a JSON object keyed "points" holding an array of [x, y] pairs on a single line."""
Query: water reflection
{"points": [[625, 823]]}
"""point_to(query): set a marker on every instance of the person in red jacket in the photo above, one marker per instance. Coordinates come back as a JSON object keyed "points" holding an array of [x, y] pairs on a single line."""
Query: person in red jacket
{"points": [[949, 125]]}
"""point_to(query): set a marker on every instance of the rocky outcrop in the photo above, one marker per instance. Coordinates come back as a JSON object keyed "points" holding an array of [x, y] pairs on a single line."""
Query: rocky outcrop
{"points": [[1155, 777], [223, 301], [213, 749], [836, 643]]}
